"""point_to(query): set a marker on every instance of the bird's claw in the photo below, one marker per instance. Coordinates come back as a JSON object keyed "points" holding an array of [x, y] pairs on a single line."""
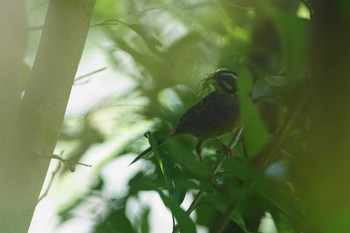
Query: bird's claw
{"points": [[225, 149]]}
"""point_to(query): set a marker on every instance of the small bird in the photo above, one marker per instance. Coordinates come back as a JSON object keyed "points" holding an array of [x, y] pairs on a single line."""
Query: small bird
{"points": [[215, 115]]}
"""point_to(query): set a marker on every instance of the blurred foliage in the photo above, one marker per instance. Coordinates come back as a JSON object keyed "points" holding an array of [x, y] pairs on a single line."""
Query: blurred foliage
{"points": [[166, 48]]}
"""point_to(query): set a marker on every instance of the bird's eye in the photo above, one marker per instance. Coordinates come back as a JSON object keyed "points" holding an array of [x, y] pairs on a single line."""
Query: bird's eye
{"points": [[227, 83], [225, 80]]}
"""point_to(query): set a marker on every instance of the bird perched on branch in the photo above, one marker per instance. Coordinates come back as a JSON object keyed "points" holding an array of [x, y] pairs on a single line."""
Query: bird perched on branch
{"points": [[215, 115]]}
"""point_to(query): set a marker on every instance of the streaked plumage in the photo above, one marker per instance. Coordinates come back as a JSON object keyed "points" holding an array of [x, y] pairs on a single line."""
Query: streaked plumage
{"points": [[215, 115]]}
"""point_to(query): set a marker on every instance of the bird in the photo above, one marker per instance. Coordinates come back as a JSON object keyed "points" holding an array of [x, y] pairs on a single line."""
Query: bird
{"points": [[213, 116]]}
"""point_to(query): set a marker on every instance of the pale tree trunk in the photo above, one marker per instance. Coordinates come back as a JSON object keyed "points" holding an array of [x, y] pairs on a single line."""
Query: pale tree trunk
{"points": [[13, 42], [29, 126]]}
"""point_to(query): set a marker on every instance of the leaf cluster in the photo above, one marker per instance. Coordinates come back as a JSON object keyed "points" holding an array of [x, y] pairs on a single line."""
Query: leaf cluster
{"points": [[170, 47]]}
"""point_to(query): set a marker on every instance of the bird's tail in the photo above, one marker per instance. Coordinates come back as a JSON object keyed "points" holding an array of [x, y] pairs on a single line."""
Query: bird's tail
{"points": [[147, 152]]}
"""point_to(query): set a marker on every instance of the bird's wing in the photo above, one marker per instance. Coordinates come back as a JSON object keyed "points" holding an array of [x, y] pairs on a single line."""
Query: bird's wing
{"points": [[201, 115]]}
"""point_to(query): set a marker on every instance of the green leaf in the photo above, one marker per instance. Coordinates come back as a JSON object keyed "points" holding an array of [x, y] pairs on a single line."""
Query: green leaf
{"points": [[142, 182], [294, 43], [155, 148], [145, 226], [173, 174], [269, 93], [184, 221], [117, 221], [238, 218], [151, 42], [276, 80], [255, 132]]}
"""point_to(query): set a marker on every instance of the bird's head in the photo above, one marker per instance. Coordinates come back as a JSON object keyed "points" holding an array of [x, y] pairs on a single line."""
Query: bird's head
{"points": [[223, 80]]}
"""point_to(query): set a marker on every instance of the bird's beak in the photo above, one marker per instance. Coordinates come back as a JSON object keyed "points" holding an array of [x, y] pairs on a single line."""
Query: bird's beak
{"points": [[207, 82]]}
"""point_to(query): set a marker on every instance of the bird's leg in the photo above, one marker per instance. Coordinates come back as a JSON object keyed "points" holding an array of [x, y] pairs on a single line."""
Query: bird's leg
{"points": [[226, 149], [199, 151]]}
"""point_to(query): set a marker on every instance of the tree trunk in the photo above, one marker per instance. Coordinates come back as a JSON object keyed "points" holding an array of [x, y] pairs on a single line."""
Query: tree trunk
{"points": [[30, 125], [322, 174]]}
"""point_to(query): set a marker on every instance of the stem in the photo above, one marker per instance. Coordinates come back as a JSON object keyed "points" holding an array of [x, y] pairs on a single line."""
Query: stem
{"points": [[226, 219], [216, 169]]}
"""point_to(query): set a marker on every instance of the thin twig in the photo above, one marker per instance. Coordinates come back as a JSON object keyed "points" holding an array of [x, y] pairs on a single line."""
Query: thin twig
{"points": [[106, 23], [87, 75], [66, 162], [225, 220], [50, 183], [237, 137]]}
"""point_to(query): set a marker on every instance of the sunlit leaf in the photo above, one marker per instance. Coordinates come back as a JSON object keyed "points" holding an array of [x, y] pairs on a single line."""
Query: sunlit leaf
{"points": [[155, 148]]}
